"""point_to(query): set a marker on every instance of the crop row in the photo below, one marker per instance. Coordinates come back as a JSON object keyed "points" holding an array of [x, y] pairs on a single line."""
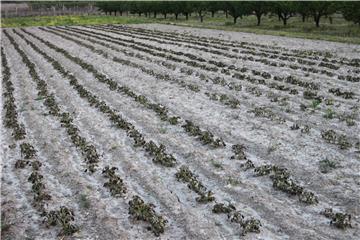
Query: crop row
{"points": [[259, 57], [208, 44], [29, 155], [286, 180], [204, 136], [137, 208], [88, 151], [233, 102], [221, 43], [262, 56], [290, 79], [282, 181], [226, 100], [238, 154], [239, 73], [196, 61], [115, 183], [259, 112], [11, 115], [158, 152], [184, 174]]}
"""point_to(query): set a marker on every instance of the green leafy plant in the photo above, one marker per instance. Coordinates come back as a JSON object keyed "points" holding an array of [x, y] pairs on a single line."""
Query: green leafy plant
{"points": [[145, 212]]}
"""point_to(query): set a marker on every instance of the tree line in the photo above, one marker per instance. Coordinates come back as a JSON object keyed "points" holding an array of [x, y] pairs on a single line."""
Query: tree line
{"points": [[283, 9]]}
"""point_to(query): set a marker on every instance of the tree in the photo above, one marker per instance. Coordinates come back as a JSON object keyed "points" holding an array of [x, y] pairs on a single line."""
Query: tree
{"points": [[214, 6], [320, 9], [200, 7], [165, 7], [302, 8], [237, 9], [186, 9], [284, 9], [259, 9], [351, 11]]}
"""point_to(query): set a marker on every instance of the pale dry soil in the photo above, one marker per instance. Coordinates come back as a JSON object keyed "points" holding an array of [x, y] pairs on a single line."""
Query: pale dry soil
{"points": [[267, 142]]}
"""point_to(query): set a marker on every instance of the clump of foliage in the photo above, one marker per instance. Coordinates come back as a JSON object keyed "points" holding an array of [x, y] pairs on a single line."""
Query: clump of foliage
{"points": [[223, 208], [327, 165], [282, 181], [339, 220], [185, 175], [331, 136], [204, 136], [115, 184], [62, 218], [27, 150], [160, 155], [248, 225], [238, 150], [145, 212], [267, 113]]}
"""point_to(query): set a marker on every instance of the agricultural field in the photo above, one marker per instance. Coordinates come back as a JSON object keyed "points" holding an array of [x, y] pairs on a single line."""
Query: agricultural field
{"points": [[154, 131]]}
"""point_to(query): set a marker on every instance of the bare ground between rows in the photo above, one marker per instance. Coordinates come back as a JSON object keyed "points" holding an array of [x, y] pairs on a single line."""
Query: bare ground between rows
{"points": [[248, 100], [274, 70], [341, 49], [148, 183]]}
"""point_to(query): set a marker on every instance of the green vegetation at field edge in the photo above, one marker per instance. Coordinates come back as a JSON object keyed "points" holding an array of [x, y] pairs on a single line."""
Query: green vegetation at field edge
{"points": [[70, 20], [338, 31]]}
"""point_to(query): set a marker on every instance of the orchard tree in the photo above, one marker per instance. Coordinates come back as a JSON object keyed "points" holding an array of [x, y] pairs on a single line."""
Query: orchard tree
{"points": [[321, 9], [186, 8], [214, 6], [303, 9], [201, 8], [284, 9], [165, 7], [351, 11], [238, 9], [259, 9]]}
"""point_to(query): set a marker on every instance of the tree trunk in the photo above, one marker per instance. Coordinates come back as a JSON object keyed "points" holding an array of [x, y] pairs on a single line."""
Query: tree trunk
{"points": [[235, 18], [284, 21], [176, 16], [258, 16], [303, 17], [165, 15], [115, 13], [317, 20], [226, 14], [187, 16], [212, 13], [331, 20], [155, 14], [121, 13]]}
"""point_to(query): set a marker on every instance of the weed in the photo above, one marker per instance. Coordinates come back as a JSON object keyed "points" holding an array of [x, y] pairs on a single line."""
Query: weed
{"points": [[84, 202], [217, 164], [326, 165], [232, 181], [329, 114]]}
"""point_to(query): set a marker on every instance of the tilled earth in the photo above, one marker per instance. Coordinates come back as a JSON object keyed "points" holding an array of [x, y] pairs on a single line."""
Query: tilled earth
{"points": [[163, 132]]}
